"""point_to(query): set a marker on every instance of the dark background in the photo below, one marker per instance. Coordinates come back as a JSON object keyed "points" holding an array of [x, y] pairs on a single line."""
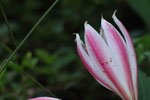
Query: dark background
{"points": [[50, 55]]}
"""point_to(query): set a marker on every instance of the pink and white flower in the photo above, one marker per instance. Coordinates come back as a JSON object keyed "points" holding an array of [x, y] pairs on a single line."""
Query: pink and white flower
{"points": [[44, 98], [110, 58]]}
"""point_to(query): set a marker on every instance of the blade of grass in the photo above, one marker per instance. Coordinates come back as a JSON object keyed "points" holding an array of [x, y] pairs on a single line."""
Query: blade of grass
{"points": [[34, 80], [4, 66], [6, 20]]}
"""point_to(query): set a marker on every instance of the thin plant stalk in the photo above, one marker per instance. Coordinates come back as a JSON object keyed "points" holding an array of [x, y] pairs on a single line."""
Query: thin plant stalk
{"points": [[4, 66], [6, 20], [34, 80]]}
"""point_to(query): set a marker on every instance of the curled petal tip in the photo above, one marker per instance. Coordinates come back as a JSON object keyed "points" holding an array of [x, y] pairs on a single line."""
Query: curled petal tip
{"points": [[77, 37], [101, 15], [104, 23], [114, 14], [85, 23], [74, 33], [88, 28], [102, 18]]}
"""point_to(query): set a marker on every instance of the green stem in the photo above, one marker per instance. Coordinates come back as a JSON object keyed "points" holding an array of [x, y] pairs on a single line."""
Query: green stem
{"points": [[4, 66], [5, 18], [29, 76]]}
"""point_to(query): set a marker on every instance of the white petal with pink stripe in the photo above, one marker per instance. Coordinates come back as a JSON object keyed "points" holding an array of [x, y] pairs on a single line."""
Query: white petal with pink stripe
{"points": [[110, 58]]}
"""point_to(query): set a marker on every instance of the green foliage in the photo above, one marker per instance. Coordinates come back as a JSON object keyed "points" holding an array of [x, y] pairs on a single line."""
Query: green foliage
{"points": [[56, 61], [144, 82], [45, 56], [143, 53], [28, 61]]}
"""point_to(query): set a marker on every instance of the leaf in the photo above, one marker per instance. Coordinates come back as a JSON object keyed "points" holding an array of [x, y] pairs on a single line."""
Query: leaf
{"points": [[144, 86], [2, 80], [143, 54], [29, 61], [145, 41], [14, 66], [45, 56]]}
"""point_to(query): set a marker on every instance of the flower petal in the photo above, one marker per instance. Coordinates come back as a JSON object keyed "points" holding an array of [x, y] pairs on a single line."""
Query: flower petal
{"points": [[117, 44], [44, 98], [131, 54], [94, 70], [101, 54]]}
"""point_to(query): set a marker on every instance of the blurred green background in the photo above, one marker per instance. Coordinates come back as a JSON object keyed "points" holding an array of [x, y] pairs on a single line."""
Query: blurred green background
{"points": [[50, 55]]}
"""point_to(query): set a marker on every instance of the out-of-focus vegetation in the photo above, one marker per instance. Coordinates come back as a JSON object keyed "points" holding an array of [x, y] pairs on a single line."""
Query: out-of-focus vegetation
{"points": [[50, 55]]}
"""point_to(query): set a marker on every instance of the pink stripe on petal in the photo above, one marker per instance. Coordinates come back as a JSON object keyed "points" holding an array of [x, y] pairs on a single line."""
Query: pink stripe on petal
{"points": [[131, 54], [100, 52], [102, 78], [117, 44], [44, 98], [123, 30]]}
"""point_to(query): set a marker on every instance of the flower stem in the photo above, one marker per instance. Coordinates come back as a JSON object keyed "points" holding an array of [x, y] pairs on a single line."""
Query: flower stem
{"points": [[6, 20]]}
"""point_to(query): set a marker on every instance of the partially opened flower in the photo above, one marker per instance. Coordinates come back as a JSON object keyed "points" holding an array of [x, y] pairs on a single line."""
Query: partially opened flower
{"points": [[44, 98], [110, 58]]}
